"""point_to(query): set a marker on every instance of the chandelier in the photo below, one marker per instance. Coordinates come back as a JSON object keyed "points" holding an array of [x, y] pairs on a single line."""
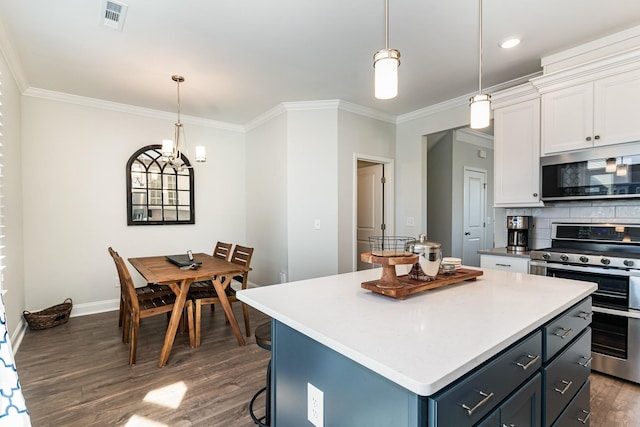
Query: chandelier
{"points": [[172, 149]]}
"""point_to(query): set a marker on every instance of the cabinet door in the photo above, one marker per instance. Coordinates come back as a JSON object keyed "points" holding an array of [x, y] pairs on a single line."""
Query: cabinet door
{"points": [[617, 109], [567, 119], [517, 154], [523, 409]]}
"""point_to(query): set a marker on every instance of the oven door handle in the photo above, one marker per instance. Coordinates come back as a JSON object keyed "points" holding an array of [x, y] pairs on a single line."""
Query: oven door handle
{"points": [[585, 269], [632, 314]]}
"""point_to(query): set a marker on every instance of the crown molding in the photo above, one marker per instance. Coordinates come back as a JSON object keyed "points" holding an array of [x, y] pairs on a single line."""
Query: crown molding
{"points": [[328, 104], [461, 100], [265, 117], [592, 70], [366, 112], [126, 108], [474, 137], [7, 52]]}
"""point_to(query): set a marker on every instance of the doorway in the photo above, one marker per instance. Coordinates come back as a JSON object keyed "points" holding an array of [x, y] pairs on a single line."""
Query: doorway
{"points": [[453, 198], [474, 208], [373, 201]]}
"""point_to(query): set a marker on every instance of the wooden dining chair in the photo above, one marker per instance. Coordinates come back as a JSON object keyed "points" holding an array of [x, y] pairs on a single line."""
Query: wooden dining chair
{"points": [[204, 293], [151, 290], [141, 306], [222, 250]]}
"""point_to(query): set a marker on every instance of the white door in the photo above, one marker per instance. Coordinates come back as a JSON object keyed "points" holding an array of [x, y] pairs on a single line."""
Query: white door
{"points": [[370, 208], [475, 201]]}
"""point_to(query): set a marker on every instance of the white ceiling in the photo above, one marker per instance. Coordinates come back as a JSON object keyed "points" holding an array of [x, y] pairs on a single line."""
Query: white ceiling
{"points": [[241, 58]]}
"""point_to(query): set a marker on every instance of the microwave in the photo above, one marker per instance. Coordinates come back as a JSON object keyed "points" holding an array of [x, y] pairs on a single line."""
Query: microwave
{"points": [[611, 172]]}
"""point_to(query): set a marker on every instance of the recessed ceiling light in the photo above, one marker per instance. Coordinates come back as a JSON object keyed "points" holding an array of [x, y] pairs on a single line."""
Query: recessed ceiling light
{"points": [[507, 44]]}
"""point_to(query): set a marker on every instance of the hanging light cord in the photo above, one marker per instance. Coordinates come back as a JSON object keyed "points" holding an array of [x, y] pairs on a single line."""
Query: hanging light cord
{"points": [[386, 24], [178, 82], [480, 50]]}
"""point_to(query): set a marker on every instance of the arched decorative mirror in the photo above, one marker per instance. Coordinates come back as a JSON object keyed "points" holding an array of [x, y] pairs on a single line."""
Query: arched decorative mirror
{"points": [[157, 192]]}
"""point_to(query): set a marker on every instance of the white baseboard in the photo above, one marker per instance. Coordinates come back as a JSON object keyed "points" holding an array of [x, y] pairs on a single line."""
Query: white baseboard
{"points": [[95, 307]]}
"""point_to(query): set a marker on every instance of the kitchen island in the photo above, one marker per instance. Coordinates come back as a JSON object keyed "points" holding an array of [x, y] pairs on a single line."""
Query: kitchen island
{"points": [[380, 361]]}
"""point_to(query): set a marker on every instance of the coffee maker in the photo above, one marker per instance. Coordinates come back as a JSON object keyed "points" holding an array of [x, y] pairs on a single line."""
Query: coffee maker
{"points": [[518, 232]]}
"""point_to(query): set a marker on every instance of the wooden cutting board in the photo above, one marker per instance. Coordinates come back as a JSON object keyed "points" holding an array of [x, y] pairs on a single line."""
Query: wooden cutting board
{"points": [[412, 286]]}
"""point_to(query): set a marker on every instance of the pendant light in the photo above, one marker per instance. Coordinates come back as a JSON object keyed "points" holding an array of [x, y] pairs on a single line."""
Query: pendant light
{"points": [[385, 65], [480, 105], [172, 149]]}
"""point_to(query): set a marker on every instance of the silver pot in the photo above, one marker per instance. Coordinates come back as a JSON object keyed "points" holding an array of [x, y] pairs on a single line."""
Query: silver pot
{"points": [[429, 256]]}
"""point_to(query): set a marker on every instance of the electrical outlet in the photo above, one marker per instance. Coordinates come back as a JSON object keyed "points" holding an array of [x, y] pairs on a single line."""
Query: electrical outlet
{"points": [[315, 405]]}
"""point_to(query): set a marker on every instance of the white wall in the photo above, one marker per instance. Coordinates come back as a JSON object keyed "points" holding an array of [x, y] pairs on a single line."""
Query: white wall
{"points": [[410, 164], [312, 188], [267, 232], [367, 137], [13, 273], [74, 194]]}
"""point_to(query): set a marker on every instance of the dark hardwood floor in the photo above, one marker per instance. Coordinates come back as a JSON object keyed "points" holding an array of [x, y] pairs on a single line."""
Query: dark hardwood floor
{"points": [[77, 374]]}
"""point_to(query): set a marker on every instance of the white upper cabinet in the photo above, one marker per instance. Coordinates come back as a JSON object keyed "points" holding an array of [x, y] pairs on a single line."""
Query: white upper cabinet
{"points": [[517, 154], [616, 109], [600, 112]]}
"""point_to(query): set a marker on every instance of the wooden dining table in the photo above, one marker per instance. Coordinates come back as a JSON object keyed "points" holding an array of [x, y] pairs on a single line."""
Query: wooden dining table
{"points": [[158, 269]]}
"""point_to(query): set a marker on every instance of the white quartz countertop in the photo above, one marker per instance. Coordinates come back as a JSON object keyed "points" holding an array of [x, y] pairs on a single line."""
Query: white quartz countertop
{"points": [[430, 339]]}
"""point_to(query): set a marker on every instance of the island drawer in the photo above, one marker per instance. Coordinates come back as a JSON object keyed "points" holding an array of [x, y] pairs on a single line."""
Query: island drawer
{"points": [[561, 331], [579, 410], [563, 377], [469, 400]]}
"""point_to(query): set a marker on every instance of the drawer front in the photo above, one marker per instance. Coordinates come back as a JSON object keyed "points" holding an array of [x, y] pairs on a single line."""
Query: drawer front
{"points": [[470, 400], [578, 412], [561, 331], [565, 375], [506, 263]]}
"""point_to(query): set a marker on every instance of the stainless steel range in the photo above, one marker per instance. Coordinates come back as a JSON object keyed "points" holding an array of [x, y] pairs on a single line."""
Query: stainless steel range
{"points": [[609, 255]]}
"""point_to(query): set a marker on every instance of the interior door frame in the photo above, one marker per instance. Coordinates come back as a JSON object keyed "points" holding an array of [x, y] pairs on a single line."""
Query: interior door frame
{"points": [[389, 200]]}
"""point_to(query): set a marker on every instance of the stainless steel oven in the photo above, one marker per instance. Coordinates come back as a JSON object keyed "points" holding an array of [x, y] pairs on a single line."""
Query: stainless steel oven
{"points": [[608, 255]]}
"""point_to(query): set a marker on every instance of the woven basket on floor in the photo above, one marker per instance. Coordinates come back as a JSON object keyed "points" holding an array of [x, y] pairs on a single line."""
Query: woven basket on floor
{"points": [[49, 317]]}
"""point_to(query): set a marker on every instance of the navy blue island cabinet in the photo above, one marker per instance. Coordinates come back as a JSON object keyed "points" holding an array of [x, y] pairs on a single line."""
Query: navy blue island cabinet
{"points": [[540, 380]]}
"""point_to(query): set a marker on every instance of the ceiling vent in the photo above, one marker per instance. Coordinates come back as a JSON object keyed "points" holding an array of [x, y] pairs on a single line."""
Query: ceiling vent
{"points": [[113, 14]]}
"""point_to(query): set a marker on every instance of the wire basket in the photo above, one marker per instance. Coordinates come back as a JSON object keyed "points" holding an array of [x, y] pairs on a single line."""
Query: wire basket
{"points": [[391, 246], [49, 317]]}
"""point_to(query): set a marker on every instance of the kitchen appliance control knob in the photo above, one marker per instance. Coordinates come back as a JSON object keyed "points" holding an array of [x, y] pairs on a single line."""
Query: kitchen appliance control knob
{"points": [[628, 263], [564, 258], [605, 261], [584, 259], [546, 256]]}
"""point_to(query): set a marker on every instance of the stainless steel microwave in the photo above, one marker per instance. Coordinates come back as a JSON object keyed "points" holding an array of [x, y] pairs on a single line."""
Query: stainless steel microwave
{"points": [[610, 172]]}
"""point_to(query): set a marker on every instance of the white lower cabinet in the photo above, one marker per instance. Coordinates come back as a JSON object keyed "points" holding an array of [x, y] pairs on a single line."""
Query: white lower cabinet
{"points": [[506, 263]]}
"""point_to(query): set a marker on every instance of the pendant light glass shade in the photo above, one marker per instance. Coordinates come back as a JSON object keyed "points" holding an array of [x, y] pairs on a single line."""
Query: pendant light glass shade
{"points": [[480, 106], [385, 64]]}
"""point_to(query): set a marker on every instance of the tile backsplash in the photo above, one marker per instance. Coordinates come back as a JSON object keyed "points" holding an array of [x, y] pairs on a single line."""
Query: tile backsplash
{"points": [[619, 211]]}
